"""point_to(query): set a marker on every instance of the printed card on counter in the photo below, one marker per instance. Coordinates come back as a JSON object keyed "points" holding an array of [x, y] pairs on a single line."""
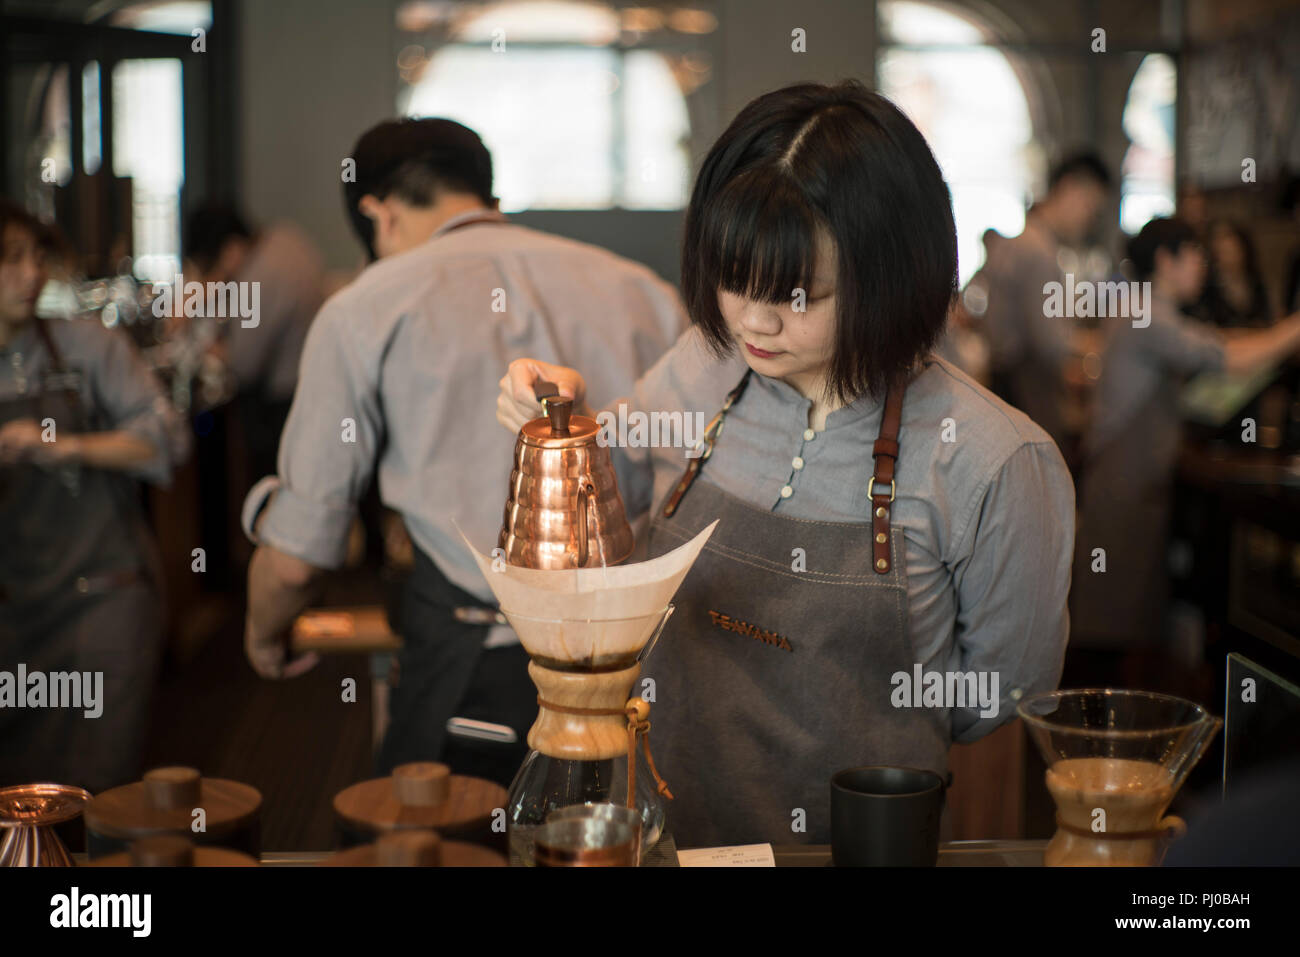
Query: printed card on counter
{"points": [[743, 855]]}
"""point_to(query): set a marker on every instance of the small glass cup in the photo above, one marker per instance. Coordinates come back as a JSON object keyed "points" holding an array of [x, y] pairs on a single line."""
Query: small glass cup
{"points": [[591, 840], [603, 812]]}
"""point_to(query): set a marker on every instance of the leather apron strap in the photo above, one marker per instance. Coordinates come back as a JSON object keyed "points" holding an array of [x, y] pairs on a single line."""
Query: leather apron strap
{"points": [[56, 357], [885, 454]]}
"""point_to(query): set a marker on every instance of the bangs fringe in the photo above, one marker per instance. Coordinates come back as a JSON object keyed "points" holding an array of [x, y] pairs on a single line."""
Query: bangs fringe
{"points": [[759, 238]]}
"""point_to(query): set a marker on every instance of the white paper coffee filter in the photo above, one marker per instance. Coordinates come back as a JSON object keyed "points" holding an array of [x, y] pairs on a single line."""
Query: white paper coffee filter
{"points": [[583, 614]]}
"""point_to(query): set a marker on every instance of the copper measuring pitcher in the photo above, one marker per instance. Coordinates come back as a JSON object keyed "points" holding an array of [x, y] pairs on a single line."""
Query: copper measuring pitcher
{"points": [[563, 509]]}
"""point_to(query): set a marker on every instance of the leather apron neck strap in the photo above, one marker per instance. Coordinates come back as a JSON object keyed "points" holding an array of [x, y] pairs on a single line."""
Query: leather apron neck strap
{"points": [[884, 454], [705, 448], [56, 357]]}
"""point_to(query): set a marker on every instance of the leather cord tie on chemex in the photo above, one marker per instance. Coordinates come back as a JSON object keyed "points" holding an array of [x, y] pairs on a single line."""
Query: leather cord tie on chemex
{"points": [[637, 712], [1171, 831]]}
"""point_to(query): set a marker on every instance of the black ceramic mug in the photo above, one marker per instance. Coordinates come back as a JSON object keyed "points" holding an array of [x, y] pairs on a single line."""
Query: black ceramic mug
{"points": [[885, 817]]}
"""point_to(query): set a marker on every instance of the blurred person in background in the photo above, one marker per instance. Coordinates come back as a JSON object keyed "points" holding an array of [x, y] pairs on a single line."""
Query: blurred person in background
{"points": [[1130, 453], [962, 343], [1028, 350], [1235, 296], [82, 420], [410, 353], [263, 358]]}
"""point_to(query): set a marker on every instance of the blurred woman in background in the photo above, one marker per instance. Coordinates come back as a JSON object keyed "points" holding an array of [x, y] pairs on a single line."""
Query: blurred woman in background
{"points": [[81, 419], [1235, 296]]}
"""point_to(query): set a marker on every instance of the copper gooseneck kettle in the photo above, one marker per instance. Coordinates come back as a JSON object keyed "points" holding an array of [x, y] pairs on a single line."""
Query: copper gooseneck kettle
{"points": [[563, 509]]}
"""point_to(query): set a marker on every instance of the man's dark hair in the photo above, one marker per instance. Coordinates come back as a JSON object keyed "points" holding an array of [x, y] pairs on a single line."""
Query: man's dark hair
{"points": [[11, 214], [415, 160], [209, 228], [838, 158], [1160, 233], [1083, 165]]}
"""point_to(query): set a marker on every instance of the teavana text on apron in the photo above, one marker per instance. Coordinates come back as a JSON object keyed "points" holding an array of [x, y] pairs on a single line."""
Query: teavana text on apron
{"points": [[727, 623]]}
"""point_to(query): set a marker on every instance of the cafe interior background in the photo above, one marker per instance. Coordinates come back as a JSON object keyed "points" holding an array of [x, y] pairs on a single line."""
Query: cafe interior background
{"points": [[151, 109]]}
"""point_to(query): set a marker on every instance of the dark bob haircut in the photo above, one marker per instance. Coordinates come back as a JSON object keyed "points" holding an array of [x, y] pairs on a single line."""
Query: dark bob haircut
{"points": [[841, 159], [1160, 233], [415, 159]]}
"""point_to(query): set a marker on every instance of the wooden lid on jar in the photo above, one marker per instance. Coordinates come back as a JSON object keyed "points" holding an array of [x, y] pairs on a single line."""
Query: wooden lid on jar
{"points": [[416, 848], [424, 794], [164, 803], [171, 850]]}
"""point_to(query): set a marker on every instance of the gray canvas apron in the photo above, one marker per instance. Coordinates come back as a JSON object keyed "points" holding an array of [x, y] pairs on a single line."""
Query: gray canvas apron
{"points": [[443, 670], [78, 592], [769, 680]]}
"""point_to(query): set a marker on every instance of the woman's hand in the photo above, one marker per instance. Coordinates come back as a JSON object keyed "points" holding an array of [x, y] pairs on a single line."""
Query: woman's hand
{"points": [[518, 404], [24, 440]]}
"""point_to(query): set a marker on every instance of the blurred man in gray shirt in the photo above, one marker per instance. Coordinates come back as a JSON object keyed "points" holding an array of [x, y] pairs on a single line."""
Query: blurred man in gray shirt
{"points": [[262, 353], [1028, 349], [399, 378]]}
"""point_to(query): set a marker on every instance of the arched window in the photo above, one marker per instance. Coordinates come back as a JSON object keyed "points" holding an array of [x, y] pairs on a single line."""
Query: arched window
{"points": [[1147, 185], [578, 105], [144, 97], [968, 101], [149, 134]]}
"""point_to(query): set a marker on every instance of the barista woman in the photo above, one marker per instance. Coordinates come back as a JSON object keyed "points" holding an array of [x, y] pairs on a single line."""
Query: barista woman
{"points": [[81, 419], [878, 509]]}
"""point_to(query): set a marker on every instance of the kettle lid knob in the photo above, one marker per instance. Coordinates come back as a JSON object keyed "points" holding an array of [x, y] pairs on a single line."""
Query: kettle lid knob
{"points": [[557, 408]]}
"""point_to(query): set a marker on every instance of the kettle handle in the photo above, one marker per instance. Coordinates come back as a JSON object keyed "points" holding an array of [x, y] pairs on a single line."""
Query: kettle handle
{"points": [[543, 389], [586, 497]]}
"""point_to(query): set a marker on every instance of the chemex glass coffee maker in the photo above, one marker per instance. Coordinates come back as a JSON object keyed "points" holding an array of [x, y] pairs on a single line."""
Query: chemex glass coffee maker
{"points": [[1115, 760], [586, 622]]}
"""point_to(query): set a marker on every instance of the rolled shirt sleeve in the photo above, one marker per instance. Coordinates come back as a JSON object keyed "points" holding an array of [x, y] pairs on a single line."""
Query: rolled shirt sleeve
{"points": [[328, 449], [129, 395], [1012, 579]]}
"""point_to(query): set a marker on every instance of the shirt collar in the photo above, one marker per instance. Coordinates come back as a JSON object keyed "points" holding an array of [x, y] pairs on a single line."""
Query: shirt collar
{"points": [[861, 408], [482, 212]]}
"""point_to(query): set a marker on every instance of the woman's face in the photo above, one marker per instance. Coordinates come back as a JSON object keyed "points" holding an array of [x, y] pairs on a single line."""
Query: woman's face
{"points": [[22, 274], [792, 340], [1188, 271], [1227, 251]]}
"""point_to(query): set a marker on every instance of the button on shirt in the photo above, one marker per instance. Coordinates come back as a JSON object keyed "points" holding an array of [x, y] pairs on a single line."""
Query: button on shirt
{"points": [[984, 502], [400, 371]]}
